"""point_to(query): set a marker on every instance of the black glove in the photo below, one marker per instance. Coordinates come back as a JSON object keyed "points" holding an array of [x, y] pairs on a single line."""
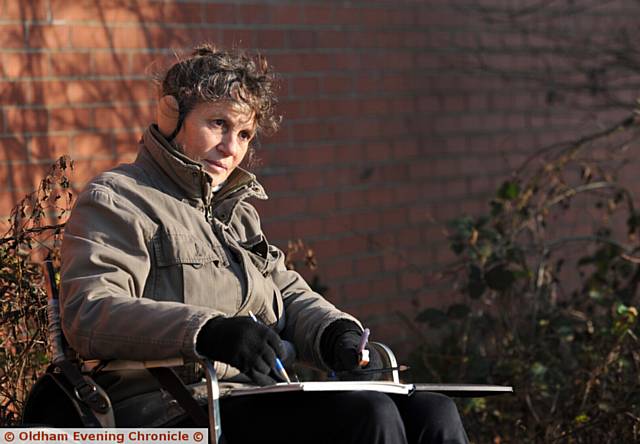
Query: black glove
{"points": [[339, 348], [245, 344]]}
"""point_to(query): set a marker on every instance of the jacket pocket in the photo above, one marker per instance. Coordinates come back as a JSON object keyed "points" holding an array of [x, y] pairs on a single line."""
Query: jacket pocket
{"points": [[193, 271], [175, 249]]}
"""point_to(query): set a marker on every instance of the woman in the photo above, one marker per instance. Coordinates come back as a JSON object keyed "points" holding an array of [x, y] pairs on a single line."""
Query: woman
{"points": [[165, 257]]}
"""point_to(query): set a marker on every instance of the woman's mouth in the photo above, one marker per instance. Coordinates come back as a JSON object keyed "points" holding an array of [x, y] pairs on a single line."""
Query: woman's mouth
{"points": [[216, 165]]}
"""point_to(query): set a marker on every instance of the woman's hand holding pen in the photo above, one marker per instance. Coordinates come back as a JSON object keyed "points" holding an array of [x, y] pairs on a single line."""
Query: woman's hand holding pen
{"points": [[243, 343], [342, 345]]}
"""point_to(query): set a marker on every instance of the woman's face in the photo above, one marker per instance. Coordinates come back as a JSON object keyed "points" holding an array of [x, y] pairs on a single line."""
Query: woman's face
{"points": [[217, 136]]}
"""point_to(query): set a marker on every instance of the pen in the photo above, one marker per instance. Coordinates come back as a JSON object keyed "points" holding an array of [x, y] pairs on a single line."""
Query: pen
{"points": [[364, 354], [400, 368], [279, 367]]}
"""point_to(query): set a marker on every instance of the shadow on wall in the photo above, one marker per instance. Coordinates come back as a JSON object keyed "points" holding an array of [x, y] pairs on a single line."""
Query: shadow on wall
{"points": [[76, 80]]}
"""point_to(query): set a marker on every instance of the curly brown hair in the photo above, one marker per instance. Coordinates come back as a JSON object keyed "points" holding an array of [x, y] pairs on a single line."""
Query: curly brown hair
{"points": [[211, 74]]}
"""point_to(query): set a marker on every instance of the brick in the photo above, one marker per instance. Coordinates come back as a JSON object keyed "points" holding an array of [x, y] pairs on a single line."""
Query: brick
{"points": [[178, 38], [301, 38], [239, 38], [367, 266], [337, 84], [373, 106], [309, 228], [124, 117], [333, 39], [336, 271], [70, 64], [220, 13], [369, 222], [23, 177], [252, 13], [19, 120], [126, 143], [321, 155], [278, 232], [140, 63], [88, 145], [89, 168], [78, 10], [356, 291], [268, 39], [304, 132], [12, 36], [387, 287], [67, 119], [289, 204], [8, 200], [185, 12], [125, 157], [48, 36], [14, 92], [49, 147], [286, 14], [303, 86], [23, 65], [396, 217], [17, 10], [12, 149], [305, 180], [321, 203], [351, 199], [277, 183], [347, 15], [389, 39], [88, 91], [291, 109], [337, 224], [319, 14], [100, 36], [405, 149], [380, 197]]}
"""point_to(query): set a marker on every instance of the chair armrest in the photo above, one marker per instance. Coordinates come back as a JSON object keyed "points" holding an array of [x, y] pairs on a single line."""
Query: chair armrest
{"points": [[388, 360]]}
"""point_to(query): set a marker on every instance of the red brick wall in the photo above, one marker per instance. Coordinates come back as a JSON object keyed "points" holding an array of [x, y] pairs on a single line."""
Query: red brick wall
{"points": [[389, 128]]}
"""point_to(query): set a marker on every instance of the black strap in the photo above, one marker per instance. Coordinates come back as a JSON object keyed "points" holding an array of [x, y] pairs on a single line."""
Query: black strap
{"points": [[86, 415], [86, 391], [174, 385]]}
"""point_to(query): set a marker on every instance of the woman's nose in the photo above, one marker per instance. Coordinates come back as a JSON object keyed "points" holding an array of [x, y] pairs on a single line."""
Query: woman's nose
{"points": [[229, 144]]}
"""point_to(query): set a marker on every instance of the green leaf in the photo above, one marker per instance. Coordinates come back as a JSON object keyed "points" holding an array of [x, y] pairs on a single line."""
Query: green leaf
{"points": [[538, 370], [432, 316], [582, 418], [458, 311], [476, 285], [499, 278], [509, 190], [497, 208]]}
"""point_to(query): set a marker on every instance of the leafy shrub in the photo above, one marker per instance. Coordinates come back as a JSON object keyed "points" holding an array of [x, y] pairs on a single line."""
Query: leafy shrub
{"points": [[547, 305], [36, 226]]}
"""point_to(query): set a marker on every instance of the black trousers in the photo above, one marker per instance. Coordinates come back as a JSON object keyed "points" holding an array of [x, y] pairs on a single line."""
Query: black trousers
{"points": [[341, 418]]}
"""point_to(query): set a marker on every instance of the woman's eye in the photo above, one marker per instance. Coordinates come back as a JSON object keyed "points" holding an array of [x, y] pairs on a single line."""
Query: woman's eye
{"points": [[218, 122], [245, 135]]}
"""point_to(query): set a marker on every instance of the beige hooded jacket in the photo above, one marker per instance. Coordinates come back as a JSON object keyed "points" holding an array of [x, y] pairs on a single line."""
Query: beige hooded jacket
{"points": [[150, 254]]}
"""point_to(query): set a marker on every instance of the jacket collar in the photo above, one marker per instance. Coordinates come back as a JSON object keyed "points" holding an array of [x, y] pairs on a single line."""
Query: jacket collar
{"points": [[195, 183]]}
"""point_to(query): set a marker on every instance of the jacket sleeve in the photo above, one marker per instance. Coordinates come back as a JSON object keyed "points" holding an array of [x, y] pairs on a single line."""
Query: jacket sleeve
{"points": [[306, 312], [105, 264]]}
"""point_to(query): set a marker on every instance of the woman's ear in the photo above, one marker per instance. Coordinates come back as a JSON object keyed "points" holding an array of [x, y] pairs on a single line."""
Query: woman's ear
{"points": [[167, 115]]}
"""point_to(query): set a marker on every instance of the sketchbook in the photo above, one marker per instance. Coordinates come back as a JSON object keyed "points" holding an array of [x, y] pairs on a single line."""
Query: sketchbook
{"points": [[323, 386], [465, 390], [456, 390]]}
